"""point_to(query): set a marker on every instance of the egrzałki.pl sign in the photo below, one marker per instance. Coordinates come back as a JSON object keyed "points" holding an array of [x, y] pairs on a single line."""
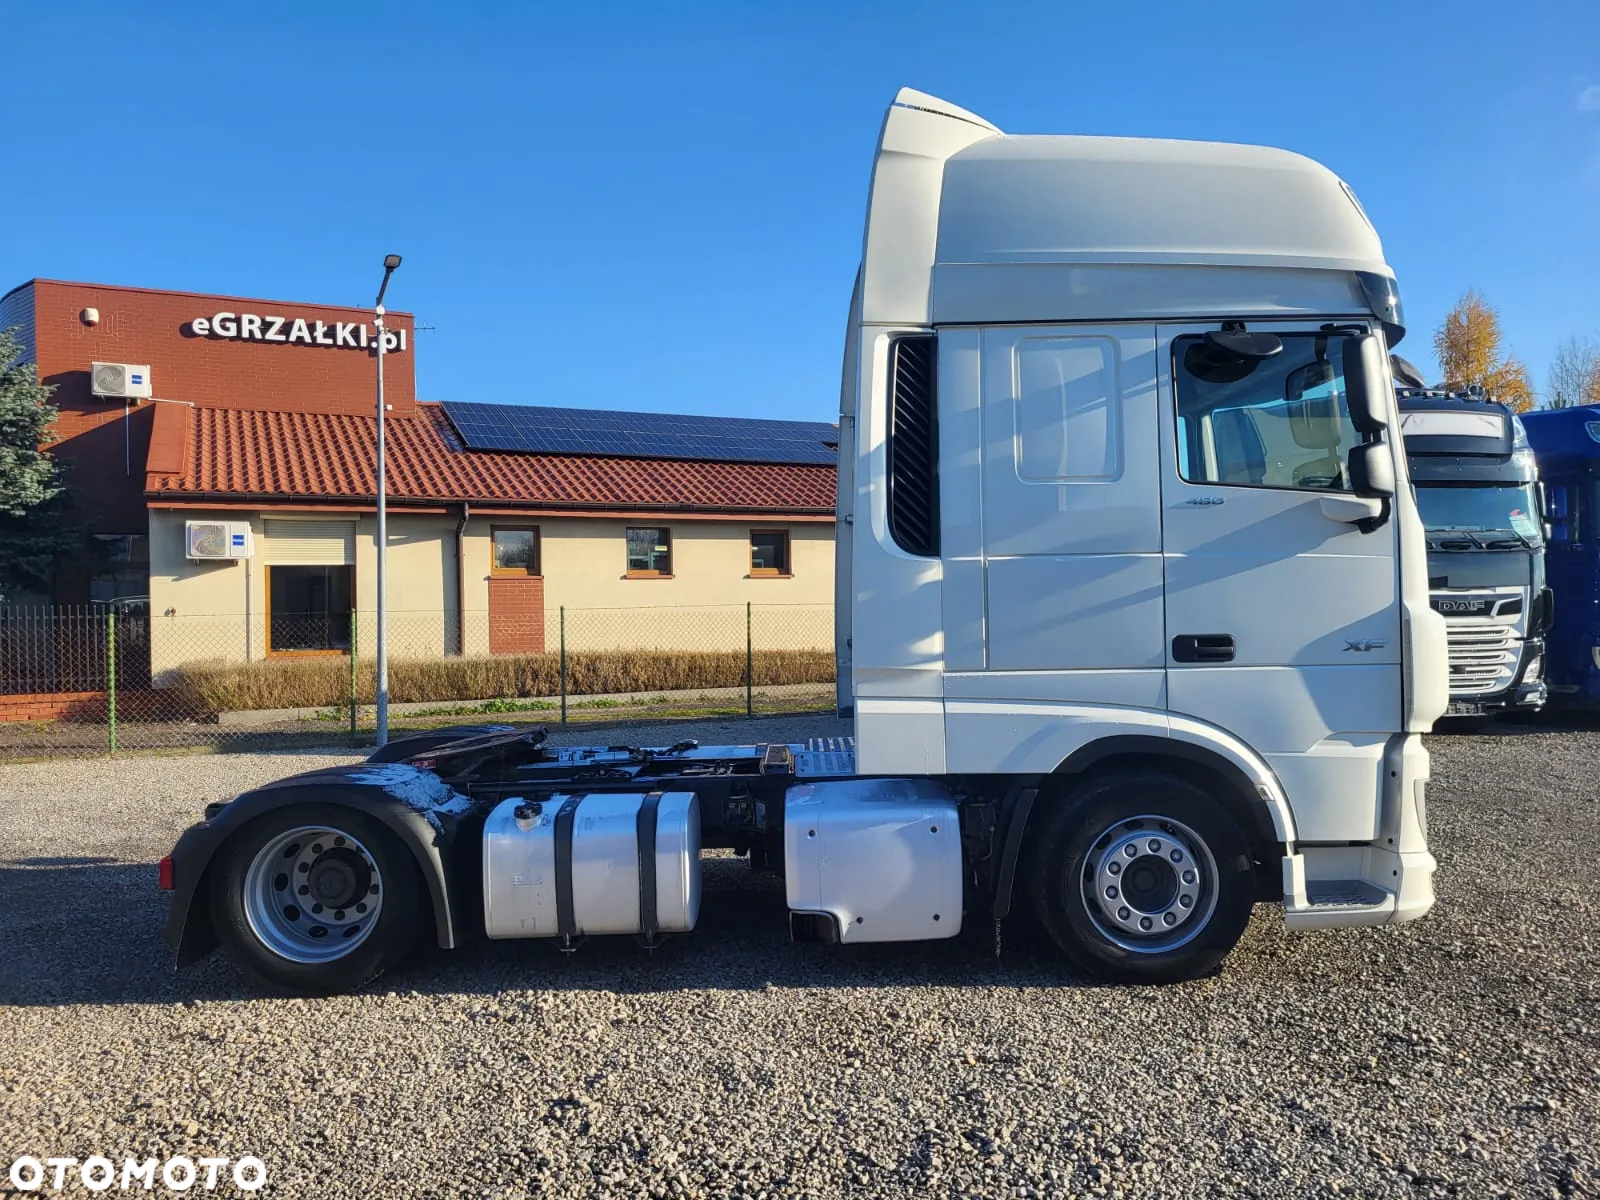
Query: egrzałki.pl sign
{"points": [[256, 327]]}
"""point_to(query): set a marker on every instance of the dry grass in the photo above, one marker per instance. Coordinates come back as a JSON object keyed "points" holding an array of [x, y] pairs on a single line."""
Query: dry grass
{"points": [[325, 682]]}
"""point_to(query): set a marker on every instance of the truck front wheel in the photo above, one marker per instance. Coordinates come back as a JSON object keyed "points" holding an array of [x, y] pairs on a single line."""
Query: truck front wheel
{"points": [[314, 899], [1142, 877]]}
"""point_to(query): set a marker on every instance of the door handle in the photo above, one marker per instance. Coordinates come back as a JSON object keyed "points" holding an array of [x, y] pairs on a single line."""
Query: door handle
{"points": [[1203, 648]]}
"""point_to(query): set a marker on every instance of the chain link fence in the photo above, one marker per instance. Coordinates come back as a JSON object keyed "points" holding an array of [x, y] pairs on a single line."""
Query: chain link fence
{"points": [[98, 680]]}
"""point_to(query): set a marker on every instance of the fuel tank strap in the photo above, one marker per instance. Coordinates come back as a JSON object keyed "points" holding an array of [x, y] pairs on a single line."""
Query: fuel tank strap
{"points": [[649, 923], [566, 923]]}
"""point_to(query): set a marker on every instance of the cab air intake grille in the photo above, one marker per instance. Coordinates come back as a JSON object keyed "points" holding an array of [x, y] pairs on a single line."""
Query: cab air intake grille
{"points": [[913, 453], [1483, 657]]}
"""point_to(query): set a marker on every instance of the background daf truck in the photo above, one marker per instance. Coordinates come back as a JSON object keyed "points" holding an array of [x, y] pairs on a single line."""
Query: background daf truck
{"points": [[1567, 444], [1478, 491], [1134, 619]]}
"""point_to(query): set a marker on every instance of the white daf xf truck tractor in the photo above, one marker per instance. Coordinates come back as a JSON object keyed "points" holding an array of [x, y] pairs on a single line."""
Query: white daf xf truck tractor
{"points": [[1133, 615]]}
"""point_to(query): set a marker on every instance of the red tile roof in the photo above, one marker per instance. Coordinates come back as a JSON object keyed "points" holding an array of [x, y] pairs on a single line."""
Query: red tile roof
{"points": [[232, 454]]}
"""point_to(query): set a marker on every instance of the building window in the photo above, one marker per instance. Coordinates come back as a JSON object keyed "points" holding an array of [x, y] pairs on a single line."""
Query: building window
{"points": [[649, 553], [516, 552], [769, 552], [308, 609], [122, 568]]}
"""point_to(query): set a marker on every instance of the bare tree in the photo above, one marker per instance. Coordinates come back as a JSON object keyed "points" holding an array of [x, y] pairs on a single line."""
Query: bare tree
{"points": [[1575, 373]]}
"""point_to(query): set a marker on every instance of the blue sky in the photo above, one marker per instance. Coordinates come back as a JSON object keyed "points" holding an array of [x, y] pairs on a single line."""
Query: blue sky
{"points": [[660, 206]]}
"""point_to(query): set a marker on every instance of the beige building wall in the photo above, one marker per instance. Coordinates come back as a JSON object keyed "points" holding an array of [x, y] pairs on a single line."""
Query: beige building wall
{"points": [[217, 610], [423, 600], [202, 610], [702, 606]]}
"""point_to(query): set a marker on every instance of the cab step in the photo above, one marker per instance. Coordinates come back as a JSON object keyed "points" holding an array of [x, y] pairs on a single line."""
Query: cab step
{"points": [[826, 757], [1332, 903]]}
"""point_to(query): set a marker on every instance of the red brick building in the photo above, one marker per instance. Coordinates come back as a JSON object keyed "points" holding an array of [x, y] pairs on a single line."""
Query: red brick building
{"points": [[260, 421]]}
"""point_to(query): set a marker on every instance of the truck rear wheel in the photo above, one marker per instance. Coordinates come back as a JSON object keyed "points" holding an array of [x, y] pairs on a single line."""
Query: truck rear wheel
{"points": [[1142, 877], [314, 899]]}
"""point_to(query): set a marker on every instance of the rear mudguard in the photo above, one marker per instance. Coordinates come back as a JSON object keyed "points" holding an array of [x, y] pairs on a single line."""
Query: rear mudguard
{"points": [[420, 743], [428, 817]]}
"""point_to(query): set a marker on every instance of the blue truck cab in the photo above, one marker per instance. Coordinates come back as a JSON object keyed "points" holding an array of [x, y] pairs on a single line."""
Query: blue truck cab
{"points": [[1566, 442], [1477, 488]]}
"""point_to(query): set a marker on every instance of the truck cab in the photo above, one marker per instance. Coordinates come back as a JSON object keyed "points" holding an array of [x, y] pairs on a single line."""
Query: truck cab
{"points": [[1127, 486], [1566, 443], [1477, 487]]}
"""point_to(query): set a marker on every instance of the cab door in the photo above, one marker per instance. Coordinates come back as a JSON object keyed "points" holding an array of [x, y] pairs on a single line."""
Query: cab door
{"points": [[1070, 533], [1282, 611], [1572, 568]]}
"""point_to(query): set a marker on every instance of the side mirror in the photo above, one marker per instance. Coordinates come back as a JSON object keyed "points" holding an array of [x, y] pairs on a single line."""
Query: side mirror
{"points": [[1364, 385], [1372, 470], [1555, 502], [1554, 498], [1313, 419]]}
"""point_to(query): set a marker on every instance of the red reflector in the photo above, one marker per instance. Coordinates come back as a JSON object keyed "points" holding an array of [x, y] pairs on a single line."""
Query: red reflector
{"points": [[165, 870]]}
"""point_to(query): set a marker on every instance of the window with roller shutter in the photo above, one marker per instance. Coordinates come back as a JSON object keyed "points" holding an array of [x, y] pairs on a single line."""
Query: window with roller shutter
{"points": [[310, 585], [309, 543]]}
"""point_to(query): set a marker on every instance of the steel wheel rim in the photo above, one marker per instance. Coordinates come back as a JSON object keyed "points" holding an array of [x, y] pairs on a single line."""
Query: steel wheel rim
{"points": [[1150, 884], [313, 894]]}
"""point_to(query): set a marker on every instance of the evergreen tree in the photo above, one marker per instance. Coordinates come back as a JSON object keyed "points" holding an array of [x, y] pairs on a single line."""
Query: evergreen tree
{"points": [[35, 525]]}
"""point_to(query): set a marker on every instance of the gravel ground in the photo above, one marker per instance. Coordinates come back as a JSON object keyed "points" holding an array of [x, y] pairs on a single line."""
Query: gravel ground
{"points": [[1459, 1055]]}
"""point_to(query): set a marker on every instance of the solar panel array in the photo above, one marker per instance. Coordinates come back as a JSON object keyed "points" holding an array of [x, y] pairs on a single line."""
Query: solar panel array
{"points": [[535, 429]]}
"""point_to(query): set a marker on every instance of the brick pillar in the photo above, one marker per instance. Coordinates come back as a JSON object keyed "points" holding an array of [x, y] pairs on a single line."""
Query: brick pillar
{"points": [[516, 614]]}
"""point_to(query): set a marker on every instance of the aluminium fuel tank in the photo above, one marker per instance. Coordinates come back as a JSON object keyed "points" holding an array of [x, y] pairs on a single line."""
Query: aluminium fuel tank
{"points": [[592, 863]]}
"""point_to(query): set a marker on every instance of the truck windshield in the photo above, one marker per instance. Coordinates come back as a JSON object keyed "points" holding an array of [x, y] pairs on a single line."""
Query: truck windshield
{"points": [[1487, 516]]}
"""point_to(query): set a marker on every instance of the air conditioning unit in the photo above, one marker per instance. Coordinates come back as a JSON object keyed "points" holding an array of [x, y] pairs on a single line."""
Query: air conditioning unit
{"points": [[120, 381], [219, 539]]}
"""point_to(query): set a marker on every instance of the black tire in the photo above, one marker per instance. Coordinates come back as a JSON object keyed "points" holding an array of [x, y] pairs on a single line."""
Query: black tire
{"points": [[393, 929], [1100, 819]]}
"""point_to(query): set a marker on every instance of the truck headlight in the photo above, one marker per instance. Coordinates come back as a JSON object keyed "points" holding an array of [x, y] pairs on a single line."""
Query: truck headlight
{"points": [[1535, 669]]}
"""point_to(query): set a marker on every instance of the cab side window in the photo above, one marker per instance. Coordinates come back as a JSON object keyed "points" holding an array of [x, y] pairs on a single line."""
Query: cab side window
{"points": [[1278, 422], [1068, 415]]}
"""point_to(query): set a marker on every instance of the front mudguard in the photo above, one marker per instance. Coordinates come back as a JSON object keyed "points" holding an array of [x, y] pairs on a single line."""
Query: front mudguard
{"points": [[431, 837]]}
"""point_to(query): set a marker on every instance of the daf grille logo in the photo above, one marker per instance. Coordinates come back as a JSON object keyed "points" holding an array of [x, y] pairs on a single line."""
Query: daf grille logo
{"points": [[1366, 644], [1462, 606]]}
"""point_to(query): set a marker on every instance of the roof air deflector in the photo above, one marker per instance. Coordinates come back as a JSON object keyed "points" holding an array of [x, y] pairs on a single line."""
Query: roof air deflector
{"points": [[923, 102]]}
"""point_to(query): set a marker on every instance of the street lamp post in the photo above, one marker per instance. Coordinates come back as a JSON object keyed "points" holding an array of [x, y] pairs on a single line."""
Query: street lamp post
{"points": [[390, 262]]}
